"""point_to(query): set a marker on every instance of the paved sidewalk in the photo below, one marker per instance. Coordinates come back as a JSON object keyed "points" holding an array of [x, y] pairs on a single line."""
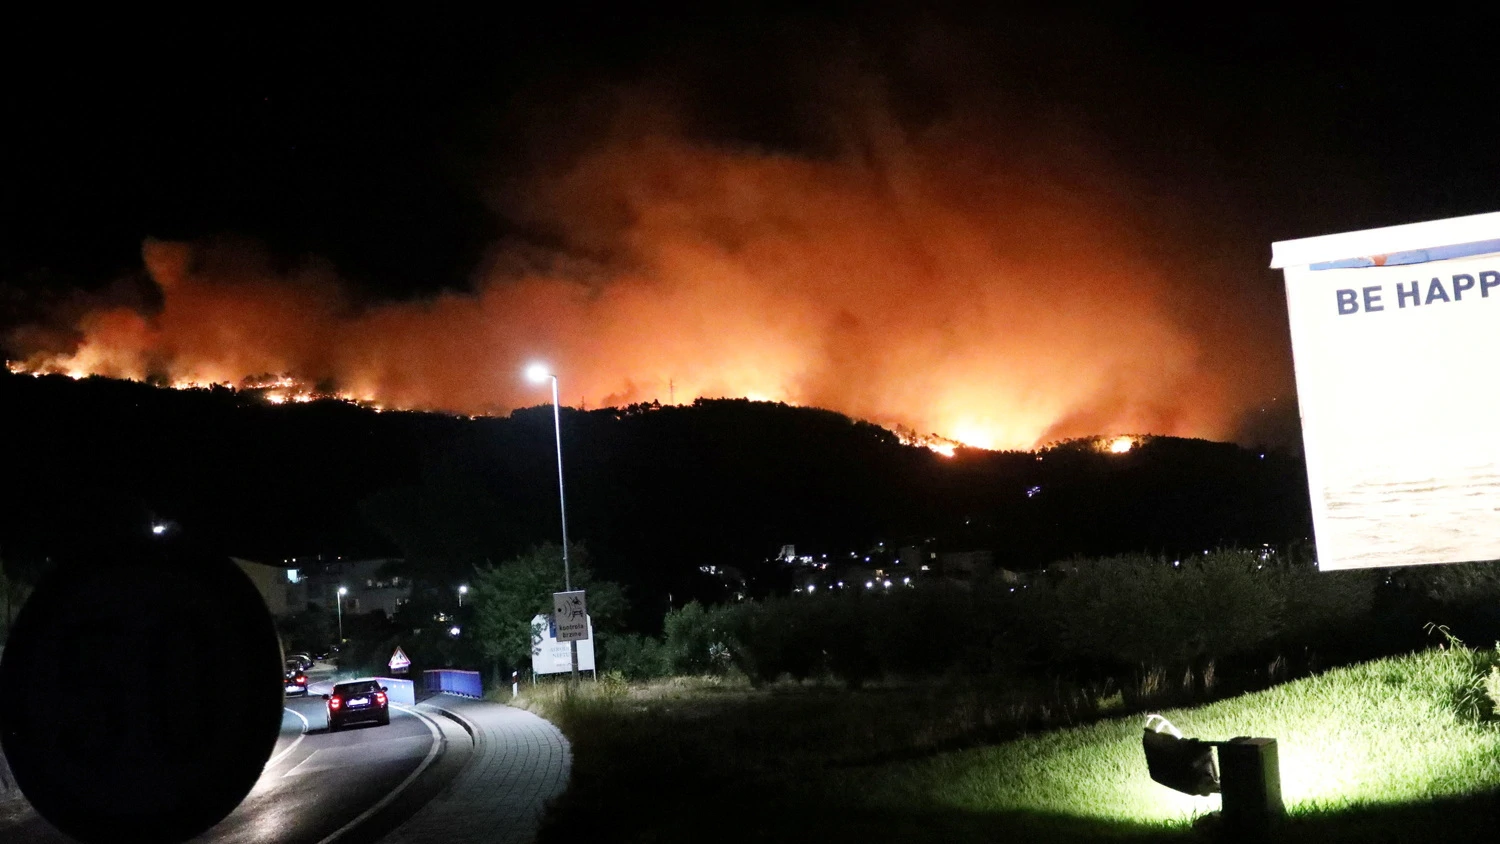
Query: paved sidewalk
{"points": [[520, 763]]}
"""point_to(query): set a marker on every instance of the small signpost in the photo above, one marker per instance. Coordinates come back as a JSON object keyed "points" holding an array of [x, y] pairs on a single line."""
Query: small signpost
{"points": [[570, 615], [399, 662]]}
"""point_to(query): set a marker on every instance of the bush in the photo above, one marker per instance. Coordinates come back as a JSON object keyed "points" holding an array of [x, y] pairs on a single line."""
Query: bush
{"points": [[695, 638], [633, 655]]}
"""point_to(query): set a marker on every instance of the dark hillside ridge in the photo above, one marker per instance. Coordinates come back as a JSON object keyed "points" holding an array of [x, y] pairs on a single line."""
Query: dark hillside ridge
{"points": [[653, 492]]}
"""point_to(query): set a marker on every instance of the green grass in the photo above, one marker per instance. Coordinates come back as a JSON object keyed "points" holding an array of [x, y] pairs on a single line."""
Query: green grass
{"points": [[1389, 750], [1382, 733]]}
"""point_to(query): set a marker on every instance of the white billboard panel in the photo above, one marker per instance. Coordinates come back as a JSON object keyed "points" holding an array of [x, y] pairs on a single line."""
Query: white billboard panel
{"points": [[1395, 355], [550, 656]]}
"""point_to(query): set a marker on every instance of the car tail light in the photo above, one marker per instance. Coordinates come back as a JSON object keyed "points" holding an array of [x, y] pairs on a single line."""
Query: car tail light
{"points": [[301, 681], [335, 703], [380, 698]]}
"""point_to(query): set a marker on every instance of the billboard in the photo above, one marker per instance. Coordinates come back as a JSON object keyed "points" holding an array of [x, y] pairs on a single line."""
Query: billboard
{"points": [[551, 656], [1395, 339]]}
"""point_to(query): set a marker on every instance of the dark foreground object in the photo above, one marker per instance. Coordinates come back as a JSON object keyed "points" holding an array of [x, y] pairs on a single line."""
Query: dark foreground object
{"points": [[89, 737]]}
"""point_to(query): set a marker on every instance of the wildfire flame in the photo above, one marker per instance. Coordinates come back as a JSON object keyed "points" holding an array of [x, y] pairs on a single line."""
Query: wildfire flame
{"points": [[928, 281]]}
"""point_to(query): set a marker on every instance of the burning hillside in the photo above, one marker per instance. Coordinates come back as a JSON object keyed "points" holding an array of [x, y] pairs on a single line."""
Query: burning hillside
{"points": [[935, 279]]}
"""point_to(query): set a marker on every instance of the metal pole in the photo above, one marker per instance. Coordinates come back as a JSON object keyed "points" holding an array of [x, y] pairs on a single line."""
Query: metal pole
{"points": [[339, 598], [562, 503]]}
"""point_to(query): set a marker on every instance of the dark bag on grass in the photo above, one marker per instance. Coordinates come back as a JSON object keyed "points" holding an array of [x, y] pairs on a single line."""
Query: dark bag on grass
{"points": [[1184, 764]]}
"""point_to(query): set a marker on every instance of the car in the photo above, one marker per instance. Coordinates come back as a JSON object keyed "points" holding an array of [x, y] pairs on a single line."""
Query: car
{"points": [[303, 660], [296, 679], [357, 701]]}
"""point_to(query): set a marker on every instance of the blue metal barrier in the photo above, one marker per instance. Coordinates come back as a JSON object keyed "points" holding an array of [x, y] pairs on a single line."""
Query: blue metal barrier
{"points": [[453, 681], [400, 691]]}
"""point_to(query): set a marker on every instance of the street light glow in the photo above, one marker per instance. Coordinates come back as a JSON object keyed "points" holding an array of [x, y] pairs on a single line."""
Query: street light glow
{"points": [[538, 372], [343, 590], [158, 529]]}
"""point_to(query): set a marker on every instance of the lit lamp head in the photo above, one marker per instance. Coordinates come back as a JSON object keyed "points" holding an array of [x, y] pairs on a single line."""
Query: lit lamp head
{"points": [[343, 590], [538, 372], [463, 590]]}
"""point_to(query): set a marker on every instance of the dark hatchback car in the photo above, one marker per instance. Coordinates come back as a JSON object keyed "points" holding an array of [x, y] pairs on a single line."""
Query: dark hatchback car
{"points": [[296, 679], [355, 701]]}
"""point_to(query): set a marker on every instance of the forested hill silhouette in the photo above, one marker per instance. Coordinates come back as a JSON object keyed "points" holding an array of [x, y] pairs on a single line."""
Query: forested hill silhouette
{"points": [[654, 492]]}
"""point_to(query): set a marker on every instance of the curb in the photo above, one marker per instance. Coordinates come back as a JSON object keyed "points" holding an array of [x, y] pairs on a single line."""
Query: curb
{"points": [[468, 726]]}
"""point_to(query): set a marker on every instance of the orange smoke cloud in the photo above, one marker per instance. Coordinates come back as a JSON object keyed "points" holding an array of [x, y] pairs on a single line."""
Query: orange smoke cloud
{"points": [[926, 281]]}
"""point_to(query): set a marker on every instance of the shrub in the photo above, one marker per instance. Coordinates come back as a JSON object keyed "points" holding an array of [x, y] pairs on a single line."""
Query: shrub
{"points": [[633, 655], [692, 634]]}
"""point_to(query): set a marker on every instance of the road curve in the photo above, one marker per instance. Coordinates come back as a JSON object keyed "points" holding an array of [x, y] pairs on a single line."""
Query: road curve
{"points": [[315, 785]]}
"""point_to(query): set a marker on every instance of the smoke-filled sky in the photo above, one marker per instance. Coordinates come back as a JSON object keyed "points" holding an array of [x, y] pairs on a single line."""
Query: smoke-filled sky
{"points": [[1002, 227]]}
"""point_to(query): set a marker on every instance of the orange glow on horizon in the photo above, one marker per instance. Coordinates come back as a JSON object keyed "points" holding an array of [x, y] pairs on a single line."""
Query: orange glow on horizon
{"points": [[929, 283]]}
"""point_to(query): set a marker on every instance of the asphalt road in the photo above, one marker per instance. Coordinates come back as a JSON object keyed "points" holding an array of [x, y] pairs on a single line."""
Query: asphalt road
{"points": [[318, 784]]}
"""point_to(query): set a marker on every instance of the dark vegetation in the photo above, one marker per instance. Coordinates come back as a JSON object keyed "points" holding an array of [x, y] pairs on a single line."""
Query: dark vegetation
{"points": [[654, 493], [822, 716]]}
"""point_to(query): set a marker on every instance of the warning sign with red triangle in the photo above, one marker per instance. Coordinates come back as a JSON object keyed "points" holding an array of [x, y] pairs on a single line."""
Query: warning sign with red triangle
{"points": [[399, 662]]}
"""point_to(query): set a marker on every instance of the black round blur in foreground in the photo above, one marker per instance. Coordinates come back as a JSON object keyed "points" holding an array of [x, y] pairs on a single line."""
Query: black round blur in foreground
{"points": [[140, 698]]}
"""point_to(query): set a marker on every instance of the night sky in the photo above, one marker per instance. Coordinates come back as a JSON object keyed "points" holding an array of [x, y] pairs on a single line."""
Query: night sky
{"points": [[1001, 226]]}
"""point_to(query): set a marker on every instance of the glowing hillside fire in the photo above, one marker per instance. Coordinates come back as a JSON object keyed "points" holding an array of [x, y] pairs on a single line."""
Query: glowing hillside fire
{"points": [[1120, 445], [927, 281]]}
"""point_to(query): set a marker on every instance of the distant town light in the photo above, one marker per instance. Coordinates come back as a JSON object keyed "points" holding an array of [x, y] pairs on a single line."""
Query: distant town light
{"points": [[158, 528], [453, 631], [869, 584], [811, 587]]}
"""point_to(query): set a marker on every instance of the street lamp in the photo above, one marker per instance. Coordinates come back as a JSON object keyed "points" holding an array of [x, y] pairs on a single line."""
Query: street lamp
{"points": [[342, 592], [538, 372], [462, 591]]}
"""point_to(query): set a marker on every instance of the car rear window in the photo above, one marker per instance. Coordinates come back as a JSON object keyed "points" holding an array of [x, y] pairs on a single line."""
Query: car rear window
{"points": [[355, 688]]}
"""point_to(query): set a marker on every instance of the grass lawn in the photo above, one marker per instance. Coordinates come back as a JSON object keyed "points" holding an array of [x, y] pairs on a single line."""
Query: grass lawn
{"points": [[1374, 752]]}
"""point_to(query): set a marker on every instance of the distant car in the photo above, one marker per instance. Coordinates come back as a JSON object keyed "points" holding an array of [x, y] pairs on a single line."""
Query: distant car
{"points": [[296, 679], [355, 701], [303, 660]]}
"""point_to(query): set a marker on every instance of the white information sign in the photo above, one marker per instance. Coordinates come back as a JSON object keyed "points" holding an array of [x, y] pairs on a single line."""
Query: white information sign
{"points": [[1395, 336], [549, 656], [570, 614]]}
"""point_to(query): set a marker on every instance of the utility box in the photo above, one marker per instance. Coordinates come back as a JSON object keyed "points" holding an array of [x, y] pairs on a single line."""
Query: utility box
{"points": [[1250, 781]]}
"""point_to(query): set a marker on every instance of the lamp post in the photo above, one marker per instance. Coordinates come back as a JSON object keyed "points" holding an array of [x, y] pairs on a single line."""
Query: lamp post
{"points": [[538, 373], [462, 591], [340, 600]]}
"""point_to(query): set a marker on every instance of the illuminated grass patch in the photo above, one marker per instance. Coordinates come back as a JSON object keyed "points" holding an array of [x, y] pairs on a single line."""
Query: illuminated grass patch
{"points": [[1393, 731]]}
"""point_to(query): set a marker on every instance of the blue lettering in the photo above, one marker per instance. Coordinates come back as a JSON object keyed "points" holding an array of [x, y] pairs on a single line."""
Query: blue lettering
{"points": [[1435, 291], [1402, 294], [1372, 299], [1348, 301], [1488, 279], [1460, 284]]}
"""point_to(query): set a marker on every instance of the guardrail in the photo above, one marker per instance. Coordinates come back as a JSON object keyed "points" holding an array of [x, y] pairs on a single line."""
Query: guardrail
{"points": [[453, 681], [398, 690]]}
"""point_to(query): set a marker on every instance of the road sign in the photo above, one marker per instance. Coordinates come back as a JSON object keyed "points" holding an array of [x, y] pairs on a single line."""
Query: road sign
{"points": [[549, 656], [571, 616], [399, 662]]}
